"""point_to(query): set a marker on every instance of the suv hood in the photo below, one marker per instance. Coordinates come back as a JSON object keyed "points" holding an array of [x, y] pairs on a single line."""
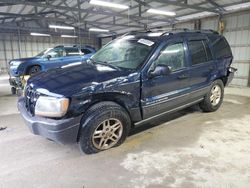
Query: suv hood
{"points": [[75, 79]]}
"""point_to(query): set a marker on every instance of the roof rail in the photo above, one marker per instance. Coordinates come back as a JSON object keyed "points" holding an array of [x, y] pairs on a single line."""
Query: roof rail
{"points": [[209, 30], [171, 31], [59, 46]]}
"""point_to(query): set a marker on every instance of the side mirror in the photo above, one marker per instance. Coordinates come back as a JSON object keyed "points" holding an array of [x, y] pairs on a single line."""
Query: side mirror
{"points": [[160, 70], [48, 57]]}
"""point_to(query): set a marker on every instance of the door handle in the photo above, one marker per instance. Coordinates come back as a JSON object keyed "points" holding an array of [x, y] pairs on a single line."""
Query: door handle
{"points": [[183, 76]]}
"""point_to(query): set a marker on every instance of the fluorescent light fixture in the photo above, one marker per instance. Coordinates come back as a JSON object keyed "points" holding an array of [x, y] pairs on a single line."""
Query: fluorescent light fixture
{"points": [[157, 34], [127, 37], [237, 7], [40, 34], [170, 51], [68, 36], [98, 30], [162, 12], [196, 15], [61, 27], [108, 4]]}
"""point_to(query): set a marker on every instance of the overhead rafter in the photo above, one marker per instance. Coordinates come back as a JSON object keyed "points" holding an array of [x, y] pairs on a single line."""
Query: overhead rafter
{"points": [[186, 5], [80, 14], [37, 17], [220, 8], [75, 9]]}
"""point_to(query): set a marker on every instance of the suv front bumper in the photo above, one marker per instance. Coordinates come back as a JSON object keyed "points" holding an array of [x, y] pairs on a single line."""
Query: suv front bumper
{"points": [[15, 82], [62, 131]]}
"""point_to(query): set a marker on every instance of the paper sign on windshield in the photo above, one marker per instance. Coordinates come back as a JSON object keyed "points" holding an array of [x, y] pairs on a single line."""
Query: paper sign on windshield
{"points": [[146, 42]]}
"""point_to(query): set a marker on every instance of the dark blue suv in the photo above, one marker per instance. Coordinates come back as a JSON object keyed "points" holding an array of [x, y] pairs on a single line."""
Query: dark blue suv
{"points": [[50, 58], [130, 81]]}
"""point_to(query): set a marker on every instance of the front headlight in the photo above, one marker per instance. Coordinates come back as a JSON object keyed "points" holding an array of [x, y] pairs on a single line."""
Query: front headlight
{"points": [[15, 63], [51, 106]]}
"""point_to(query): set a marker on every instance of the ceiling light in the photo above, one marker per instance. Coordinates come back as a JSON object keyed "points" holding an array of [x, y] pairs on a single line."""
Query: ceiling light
{"points": [[98, 30], [237, 7], [68, 36], [40, 34], [162, 12], [108, 4], [61, 27], [196, 15], [155, 34]]}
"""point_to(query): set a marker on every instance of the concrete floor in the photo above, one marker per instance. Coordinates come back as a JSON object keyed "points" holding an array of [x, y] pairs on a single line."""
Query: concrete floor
{"points": [[185, 149]]}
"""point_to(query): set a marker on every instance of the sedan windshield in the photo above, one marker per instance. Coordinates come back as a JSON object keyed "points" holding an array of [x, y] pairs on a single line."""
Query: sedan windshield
{"points": [[43, 52], [123, 53]]}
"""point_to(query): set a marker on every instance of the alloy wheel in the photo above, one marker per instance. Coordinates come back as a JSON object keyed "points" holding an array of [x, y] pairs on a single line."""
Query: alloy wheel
{"points": [[215, 96], [107, 134]]}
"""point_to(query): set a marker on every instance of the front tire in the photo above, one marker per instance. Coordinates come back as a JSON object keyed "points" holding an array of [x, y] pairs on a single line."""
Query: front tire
{"points": [[214, 97], [13, 90], [105, 125], [34, 69]]}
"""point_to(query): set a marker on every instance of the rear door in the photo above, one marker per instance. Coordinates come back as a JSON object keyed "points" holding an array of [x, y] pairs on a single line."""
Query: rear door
{"points": [[163, 93], [202, 66]]}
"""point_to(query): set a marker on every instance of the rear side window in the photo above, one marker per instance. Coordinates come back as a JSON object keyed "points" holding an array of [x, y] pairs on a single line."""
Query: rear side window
{"points": [[85, 51], [221, 47], [72, 51], [199, 51]]}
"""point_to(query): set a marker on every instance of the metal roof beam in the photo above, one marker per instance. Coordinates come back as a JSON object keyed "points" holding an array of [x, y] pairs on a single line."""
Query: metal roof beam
{"points": [[212, 2], [90, 11], [33, 16], [37, 17], [184, 5]]}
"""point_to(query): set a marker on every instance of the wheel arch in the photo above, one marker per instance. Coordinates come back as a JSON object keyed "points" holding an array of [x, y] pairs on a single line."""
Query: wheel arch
{"points": [[115, 97], [120, 98], [30, 66]]}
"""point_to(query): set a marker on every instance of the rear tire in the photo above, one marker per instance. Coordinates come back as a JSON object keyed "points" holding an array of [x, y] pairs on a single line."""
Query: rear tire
{"points": [[105, 125], [214, 97]]}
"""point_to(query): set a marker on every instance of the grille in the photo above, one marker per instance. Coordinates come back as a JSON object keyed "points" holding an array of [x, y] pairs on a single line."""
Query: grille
{"points": [[31, 97]]}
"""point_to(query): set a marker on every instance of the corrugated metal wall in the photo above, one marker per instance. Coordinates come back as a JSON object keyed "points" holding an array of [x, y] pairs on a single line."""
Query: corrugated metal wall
{"points": [[30, 46], [237, 32]]}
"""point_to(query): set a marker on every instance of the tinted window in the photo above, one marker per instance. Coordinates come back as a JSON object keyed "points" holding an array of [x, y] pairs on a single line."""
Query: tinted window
{"points": [[220, 46], [172, 56], [72, 51], [208, 51], [85, 51], [199, 51]]}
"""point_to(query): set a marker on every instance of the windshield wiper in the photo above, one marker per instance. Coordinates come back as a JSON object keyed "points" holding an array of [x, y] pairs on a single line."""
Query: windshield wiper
{"points": [[104, 63]]}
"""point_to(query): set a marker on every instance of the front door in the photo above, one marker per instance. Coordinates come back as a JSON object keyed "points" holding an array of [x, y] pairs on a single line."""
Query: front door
{"points": [[73, 55], [163, 93], [54, 58]]}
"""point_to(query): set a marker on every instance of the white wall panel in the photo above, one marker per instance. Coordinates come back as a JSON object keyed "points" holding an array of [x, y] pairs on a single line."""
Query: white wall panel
{"points": [[238, 35]]}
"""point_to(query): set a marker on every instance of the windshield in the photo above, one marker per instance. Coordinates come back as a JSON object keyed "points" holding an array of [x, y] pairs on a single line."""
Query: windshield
{"points": [[43, 52], [123, 53]]}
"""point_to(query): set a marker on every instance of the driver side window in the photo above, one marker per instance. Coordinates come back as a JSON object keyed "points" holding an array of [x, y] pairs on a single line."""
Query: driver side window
{"points": [[56, 52], [171, 56]]}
